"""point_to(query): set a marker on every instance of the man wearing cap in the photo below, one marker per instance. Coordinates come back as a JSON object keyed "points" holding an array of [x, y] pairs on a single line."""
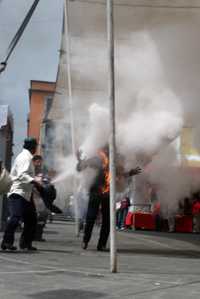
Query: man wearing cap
{"points": [[20, 199]]}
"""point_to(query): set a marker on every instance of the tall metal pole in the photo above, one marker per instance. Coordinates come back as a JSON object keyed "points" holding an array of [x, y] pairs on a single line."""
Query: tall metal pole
{"points": [[112, 143], [69, 81]]}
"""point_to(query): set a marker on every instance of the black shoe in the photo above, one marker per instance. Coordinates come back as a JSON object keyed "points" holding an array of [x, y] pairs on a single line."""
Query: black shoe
{"points": [[40, 239], [22, 245], [25, 246], [29, 248], [84, 245], [7, 246], [101, 248], [32, 248]]}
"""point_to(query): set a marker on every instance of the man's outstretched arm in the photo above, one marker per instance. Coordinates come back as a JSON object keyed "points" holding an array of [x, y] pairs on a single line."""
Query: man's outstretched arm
{"points": [[132, 172]]}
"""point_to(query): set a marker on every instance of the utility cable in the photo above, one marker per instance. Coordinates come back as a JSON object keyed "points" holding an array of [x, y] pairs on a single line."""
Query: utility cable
{"points": [[18, 35]]}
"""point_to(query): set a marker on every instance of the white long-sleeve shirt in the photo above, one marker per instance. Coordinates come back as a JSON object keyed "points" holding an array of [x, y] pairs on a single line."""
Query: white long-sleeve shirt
{"points": [[22, 175]]}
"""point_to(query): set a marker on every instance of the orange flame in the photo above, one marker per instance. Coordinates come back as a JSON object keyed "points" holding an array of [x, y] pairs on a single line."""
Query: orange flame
{"points": [[105, 160]]}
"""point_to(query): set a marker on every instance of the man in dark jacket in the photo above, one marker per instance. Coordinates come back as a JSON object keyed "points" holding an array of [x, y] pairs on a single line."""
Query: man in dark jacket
{"points": [[99, 194], [44, 197]]}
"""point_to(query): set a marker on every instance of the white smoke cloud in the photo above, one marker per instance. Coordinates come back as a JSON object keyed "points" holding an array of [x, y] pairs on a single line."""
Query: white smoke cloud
{"points": [[98, 133], [173, 183], [156, 93], [149, 129], [149, 113]]}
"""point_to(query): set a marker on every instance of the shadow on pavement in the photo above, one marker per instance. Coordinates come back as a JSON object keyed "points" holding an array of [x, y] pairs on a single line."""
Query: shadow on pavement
{"points": [[67, 294], [18, 252], [187, 237], [56, 251], [173, 253], [51, 232]]}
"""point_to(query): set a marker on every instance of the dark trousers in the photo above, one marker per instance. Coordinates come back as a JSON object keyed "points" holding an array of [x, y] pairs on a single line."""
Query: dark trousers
{"points": [[41, 221], [93, 207], [20, 209]]}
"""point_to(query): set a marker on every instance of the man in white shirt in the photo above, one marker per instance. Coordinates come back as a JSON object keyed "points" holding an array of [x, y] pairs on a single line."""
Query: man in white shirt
{"points": [[20, 199]]}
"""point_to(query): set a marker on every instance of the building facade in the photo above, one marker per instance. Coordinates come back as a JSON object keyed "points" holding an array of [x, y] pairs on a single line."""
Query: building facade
{"points": [[6, 136], [6, 152], [40, 98]]}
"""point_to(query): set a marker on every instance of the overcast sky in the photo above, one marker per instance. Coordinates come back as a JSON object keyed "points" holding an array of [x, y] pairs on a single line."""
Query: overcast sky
{"points": [[35, 57]]}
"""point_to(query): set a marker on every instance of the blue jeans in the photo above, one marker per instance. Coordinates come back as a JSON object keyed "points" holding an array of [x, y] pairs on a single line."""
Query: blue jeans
{"points": [[121, 217], [20, 209]]}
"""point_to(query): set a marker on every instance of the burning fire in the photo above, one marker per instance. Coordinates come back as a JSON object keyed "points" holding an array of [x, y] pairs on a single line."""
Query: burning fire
{"points": [[105, 160]]}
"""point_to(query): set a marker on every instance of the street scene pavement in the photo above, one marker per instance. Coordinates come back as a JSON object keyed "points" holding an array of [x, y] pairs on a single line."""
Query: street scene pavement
{"points": [[150, 265], [99, 113]]}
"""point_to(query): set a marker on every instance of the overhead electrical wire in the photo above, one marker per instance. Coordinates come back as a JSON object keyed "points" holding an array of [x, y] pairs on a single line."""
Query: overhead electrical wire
{"points": [[10, 24], [26, 20], [18, 35]]}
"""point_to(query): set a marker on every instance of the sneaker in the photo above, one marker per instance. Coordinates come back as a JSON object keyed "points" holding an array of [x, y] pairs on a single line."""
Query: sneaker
{"points": [[7, 246]]}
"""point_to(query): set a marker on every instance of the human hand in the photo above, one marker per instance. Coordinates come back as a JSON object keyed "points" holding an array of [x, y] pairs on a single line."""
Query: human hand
{"points": [[37, 182], [81, 165], [135, 171]]}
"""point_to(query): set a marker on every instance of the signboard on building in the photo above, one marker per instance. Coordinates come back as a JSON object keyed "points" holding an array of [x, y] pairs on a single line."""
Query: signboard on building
{"points": [[189, 153]]}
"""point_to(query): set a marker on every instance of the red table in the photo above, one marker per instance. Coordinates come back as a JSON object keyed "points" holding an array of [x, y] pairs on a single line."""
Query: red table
{"points": [[140, 220], [129, 219], [184, 224]]}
